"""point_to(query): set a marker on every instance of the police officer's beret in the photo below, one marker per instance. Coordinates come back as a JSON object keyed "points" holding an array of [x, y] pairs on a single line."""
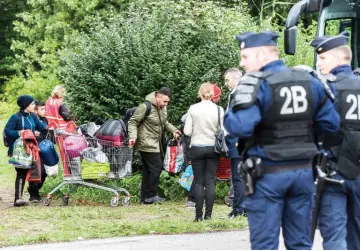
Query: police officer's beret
{"points": [[326, 43], [254, 39]]}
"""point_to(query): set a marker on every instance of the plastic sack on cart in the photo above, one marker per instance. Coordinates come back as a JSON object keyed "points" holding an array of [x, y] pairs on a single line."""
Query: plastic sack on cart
{"points": [[88, 129], [73, 145], [187, 177], [120, 158], [93, 154], [94, 170], [52, 171], [74, 166], [174, 159], [20, 158], [48, 154]]}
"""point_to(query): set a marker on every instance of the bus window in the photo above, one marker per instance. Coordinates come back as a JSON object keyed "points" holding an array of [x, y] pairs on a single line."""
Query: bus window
{"points": [[334, 27]]}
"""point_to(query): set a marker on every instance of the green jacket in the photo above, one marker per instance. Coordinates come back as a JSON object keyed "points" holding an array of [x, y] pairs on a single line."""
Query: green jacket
{"points": [[148, 134]]}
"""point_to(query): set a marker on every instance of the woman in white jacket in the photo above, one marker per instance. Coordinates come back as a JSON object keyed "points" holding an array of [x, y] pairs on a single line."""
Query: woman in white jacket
{"points": [[201, 125]]}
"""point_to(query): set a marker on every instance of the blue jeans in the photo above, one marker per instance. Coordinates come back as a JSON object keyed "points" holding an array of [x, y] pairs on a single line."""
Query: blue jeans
{"points": [[281, 199], [238, 187], [339, 217]]}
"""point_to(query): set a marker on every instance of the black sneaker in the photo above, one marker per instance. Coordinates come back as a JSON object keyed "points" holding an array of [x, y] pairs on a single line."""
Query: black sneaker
{"points": [[33, 199], [20, 203], [154, 199], [198, 219], [207, 217], [233, 214], [190, 204]]}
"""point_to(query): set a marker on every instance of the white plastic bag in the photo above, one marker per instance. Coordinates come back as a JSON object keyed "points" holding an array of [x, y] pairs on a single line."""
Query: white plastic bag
{"points": [[93, 154], [52, 171]]}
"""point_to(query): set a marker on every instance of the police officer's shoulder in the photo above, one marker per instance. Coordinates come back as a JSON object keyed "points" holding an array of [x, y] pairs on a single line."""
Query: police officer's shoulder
{"points": [[245, 94]]}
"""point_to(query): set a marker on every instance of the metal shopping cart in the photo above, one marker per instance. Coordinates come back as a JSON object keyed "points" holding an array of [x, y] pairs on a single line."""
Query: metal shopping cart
{"points": [[224, 174], [85, 160]]}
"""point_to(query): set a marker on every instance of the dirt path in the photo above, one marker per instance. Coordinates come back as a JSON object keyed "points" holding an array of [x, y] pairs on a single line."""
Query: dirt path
{"points": [[6, 197]]}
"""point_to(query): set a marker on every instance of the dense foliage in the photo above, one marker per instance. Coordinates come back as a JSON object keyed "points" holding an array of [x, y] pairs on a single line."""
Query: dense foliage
{"points": [[154, 45], [202, 49], [179, 45]]}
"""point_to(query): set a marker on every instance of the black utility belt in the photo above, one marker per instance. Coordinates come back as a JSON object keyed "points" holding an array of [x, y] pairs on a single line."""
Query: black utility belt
{"points": [[256, 167], [278, 169], [253, 168]]}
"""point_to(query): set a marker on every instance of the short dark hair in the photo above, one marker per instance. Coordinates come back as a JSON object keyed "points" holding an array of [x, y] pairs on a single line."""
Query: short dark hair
{"points": [[165, 91], [39, 103]]}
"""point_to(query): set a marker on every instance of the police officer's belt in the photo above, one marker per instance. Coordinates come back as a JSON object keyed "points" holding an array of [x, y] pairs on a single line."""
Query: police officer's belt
{"points": [[278, 169]]}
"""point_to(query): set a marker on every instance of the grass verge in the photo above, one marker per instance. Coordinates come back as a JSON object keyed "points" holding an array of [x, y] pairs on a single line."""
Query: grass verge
{"points": [[36, 224], [41, 224]]}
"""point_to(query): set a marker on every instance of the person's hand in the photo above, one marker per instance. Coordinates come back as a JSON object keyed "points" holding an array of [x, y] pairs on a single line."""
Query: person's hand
{"points": [[37, 133], [131, 142], [21, 132], [176, 134]]}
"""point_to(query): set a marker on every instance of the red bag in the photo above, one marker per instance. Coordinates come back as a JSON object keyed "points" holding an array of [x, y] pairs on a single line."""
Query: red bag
{"points": [[174, 159], [34, 174]]}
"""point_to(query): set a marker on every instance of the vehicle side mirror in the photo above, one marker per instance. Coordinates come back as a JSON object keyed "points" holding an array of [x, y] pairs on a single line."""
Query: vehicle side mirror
{"points": [[290, 37]]}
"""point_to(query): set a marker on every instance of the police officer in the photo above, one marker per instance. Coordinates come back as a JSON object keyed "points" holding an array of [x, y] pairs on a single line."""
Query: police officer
{"points": [[276, 108], [339, 218]]}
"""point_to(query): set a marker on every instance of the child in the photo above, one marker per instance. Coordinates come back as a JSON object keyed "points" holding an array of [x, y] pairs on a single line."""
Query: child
{"points": [[34, 187]]}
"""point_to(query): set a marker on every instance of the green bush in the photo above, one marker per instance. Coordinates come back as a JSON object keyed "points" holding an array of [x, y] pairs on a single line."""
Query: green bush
{"points": [[179, 45], [39, 86], [154, 44]]}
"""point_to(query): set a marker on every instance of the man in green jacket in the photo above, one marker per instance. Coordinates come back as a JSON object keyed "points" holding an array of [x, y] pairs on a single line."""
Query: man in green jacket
{"points": [[145, 134]]}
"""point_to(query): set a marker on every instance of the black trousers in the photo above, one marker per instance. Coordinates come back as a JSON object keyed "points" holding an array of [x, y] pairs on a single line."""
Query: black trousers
{"points": [[34, 187], [152, 168], [204, 164], [20, 182], [191, 194]]}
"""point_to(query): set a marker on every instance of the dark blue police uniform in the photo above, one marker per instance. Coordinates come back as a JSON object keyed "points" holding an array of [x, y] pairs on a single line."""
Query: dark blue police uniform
{"points": [[275, 111], [339, 218]]}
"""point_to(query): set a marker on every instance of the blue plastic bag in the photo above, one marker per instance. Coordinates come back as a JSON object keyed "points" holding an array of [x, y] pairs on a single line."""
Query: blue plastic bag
{"points": [[187, 177], [48, 154]]}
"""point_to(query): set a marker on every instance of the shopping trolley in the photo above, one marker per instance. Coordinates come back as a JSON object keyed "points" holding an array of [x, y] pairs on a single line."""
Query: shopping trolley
{"points": [[85, 160], [223, 173]]}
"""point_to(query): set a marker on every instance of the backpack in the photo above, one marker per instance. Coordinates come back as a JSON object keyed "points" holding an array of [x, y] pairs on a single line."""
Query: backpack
{"points": [[113, 130], [130, 112]]}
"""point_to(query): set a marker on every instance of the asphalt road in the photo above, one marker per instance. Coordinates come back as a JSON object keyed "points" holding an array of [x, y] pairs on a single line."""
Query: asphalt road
{"points": [[235, 240]]}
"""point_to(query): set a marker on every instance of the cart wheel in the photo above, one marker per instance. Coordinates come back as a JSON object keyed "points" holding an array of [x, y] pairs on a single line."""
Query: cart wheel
{"points": [[227, 201], [126, 201], [47, 201], [65, 200], [114, 202]]}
